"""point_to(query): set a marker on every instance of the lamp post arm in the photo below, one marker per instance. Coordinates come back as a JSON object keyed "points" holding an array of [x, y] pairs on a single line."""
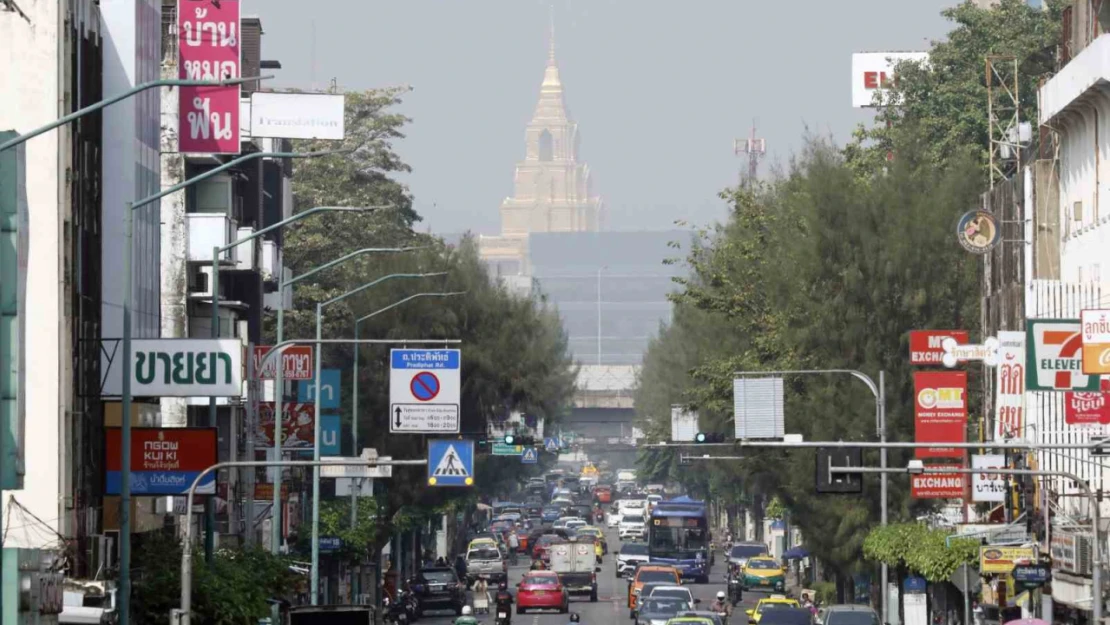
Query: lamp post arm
{"points": [[92, 108], [403, 301], [391, 276], [298, 216], [345, 258]]}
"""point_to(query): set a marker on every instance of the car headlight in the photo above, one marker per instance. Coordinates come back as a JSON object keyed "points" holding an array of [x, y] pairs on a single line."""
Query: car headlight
{"points": [[658, 622]]}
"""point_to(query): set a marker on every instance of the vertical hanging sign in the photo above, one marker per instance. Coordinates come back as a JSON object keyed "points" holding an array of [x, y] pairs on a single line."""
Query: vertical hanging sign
{"points": [[208, 44], [1009, 387], [940, 412]]}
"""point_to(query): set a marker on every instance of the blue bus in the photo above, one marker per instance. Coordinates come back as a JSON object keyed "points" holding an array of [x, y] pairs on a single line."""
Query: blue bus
{"points": [[678, 535]]}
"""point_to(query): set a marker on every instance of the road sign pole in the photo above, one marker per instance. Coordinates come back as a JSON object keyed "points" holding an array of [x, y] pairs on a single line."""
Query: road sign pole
{"points": [[316, 468]]}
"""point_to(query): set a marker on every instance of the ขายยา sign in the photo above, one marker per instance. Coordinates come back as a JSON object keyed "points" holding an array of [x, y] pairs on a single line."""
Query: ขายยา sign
{"points": [[180, 368]]}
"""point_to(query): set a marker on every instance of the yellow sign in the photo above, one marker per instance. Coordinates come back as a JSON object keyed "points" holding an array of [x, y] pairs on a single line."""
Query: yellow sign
{"points": [[993, 559]]}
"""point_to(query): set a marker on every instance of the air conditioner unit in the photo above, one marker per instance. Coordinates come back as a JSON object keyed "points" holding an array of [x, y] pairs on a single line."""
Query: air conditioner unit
{"points": [[200, 282], [244, 252]]}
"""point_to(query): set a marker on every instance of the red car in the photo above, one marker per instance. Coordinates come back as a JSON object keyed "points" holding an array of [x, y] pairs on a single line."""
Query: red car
{"points": [[541, 590], [539, 550]]}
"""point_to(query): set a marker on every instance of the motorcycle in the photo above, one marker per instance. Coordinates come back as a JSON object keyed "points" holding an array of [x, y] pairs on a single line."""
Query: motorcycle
{"points": [[503, 618], [395, 612], [735, 588]]}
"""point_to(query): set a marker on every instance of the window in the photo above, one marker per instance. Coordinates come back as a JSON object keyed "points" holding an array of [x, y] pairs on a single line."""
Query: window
{"points": [[547, 146]]}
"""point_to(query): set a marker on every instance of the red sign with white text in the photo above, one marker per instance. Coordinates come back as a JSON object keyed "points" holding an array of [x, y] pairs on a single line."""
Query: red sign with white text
{"points": [[940, 412], [296, 360], [925, 345], [1087, 408], [298, 425], [938, 485], [208, 42]]}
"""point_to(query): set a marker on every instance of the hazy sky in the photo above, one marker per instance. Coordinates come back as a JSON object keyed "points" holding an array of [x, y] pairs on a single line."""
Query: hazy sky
{"points": [[659, 88]]}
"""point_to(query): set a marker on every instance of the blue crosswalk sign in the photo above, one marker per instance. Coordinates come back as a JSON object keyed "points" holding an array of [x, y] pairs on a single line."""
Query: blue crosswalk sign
{"points": [[551, 444], [529, 456], [451, 462]]}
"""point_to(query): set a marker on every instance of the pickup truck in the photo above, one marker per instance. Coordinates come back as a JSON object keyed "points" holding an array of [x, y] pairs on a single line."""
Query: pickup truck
{"points": [[575, 563], [485, 562]]}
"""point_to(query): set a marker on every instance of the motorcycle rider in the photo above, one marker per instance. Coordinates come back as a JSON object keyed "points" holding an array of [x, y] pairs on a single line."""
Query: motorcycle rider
{"points": [[467, 617], [721, 605], [504, 602], [574, 618]]}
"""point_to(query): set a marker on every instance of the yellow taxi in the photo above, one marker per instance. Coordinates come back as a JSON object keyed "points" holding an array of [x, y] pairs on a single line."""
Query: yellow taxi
{"points": [[774, 602], [478, 543], [595, 532], [763, 573]]}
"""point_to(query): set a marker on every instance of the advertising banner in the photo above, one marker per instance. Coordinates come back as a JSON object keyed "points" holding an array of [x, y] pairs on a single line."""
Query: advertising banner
{"points": [[208, 42], [988, 487], [874, 71], [298, 425], [940, 411], [164, 461], [1054, 357], [297, 115], [296, 363], [1009, 387], [938, 485], [1087, 408], [1096, 341], [179, 368], [994, 559], [926, 348]]}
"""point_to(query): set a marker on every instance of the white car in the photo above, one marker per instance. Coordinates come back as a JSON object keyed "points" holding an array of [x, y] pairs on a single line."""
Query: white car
{"points": [[631, 526], [574, 524], [629, 556], [613, 519]]}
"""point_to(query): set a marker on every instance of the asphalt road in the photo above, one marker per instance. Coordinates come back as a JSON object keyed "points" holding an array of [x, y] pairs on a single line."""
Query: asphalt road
{"points": [[611, 607]]}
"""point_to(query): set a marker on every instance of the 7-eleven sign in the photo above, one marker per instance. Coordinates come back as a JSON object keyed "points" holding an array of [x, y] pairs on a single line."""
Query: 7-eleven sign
{"points": [[1054, 357]]}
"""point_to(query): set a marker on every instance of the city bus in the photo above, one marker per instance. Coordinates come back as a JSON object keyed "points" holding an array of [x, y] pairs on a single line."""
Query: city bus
{"points": [[678, 535]]}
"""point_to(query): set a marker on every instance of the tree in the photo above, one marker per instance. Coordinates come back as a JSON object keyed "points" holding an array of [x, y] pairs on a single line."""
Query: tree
{"points": [[945, 99]]}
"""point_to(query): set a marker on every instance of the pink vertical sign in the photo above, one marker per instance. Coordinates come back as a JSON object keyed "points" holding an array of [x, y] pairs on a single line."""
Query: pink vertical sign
{"points": [[208, 37]]}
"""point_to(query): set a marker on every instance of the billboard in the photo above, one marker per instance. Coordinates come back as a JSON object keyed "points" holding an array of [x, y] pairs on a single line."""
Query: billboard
{"points": [[684, 424], [937, 485], [296, 362], [179, 368], [298, 425], [208, 42], [297, 115], [1009, 387], [164, 461], [1054, 356], [1096, 341], [940, 411], [872, 71], [988, 486], [926, 348], [1087, 408]]}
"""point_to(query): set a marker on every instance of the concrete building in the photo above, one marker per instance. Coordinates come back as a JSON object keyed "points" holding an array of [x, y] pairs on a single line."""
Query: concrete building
{"points": [[552, 190]]}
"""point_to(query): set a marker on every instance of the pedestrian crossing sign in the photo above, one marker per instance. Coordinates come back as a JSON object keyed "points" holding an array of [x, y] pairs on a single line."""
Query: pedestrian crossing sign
{"points": [[529, 456], [450, 462], [551, 444]]}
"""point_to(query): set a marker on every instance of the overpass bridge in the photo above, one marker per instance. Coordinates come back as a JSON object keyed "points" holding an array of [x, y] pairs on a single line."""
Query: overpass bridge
{"points": [[604, 412]]}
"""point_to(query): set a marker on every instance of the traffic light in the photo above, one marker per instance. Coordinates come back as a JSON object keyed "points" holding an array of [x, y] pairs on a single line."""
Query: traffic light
{"points": [[514, 439], [709, 437], [840, 457]]}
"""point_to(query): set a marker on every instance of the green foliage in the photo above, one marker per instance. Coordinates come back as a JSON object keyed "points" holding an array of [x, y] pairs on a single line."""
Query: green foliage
{"points": [[946, 99], [775, 509], [232, 590], [335, 520], [920, 549], [826, 593], [514, 349]]}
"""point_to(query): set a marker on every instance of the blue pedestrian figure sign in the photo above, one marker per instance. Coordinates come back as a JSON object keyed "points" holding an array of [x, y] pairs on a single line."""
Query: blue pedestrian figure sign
{"points": [[329, 382], [551, 444], [451, 462], [529, 456]]}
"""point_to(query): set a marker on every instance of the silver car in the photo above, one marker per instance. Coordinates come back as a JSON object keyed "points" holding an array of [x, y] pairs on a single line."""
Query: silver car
{"points": [[846, 614]]}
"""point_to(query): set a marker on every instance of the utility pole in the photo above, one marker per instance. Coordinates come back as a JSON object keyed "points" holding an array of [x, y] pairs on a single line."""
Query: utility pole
{"points": [[755, 148]]}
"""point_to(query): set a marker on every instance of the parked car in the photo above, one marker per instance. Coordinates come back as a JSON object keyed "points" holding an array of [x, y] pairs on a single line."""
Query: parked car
{"points": [[540, 590], [439, 588]]}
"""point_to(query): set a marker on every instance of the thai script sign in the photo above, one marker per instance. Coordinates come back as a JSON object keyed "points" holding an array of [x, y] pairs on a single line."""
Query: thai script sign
{"points": [[296, 363], [298, 425], [1096, 341], [1087, 408], [927, 346], [1054, 356], [180, 368], [937, 485], [940, 412], [164, 461], [1009, 387], [955, 353], [208, 42], [994, 559], [988, 486]]}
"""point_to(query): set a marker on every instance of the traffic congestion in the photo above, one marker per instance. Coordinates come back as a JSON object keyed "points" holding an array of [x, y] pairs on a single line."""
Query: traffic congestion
{"points": [[577, 549]]}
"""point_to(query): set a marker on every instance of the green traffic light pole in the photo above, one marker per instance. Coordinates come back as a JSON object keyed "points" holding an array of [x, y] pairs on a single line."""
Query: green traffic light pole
{"points": [[92, 108], [316, 442], [355, 492], [209, 510], [124, 590], [279, 395]]}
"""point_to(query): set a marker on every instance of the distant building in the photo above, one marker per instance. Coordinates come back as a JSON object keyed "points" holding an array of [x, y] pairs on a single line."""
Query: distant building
{"points": [[552, 191]]}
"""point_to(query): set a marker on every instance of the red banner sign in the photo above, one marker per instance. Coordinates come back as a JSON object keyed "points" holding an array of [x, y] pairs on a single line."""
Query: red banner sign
{"points": [[1087, 408], [298, 425], [925, 345], [938, 485], [940, 411], [164, 461], [296, 363], [208, 41], [265, 491]]}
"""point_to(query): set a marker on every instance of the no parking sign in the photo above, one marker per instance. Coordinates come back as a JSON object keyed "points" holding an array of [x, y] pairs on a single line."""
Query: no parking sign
{"points": [[424, 389]]}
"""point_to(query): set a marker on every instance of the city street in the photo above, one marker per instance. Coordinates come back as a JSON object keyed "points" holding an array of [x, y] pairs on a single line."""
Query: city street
{"points": [[611, 607]]}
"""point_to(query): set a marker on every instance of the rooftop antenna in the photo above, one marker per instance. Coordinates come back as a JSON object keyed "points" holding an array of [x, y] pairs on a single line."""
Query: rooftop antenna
{"points": [[755, 148], [312, 55]]}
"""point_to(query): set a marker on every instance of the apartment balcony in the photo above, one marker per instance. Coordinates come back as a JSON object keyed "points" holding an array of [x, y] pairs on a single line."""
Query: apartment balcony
{"points": [[208, 231]]}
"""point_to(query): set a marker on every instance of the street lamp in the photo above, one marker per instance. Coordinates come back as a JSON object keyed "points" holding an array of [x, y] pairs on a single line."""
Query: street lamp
{"points": [[125, 391], [279, 399], [315, 578], [354, 420]]}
